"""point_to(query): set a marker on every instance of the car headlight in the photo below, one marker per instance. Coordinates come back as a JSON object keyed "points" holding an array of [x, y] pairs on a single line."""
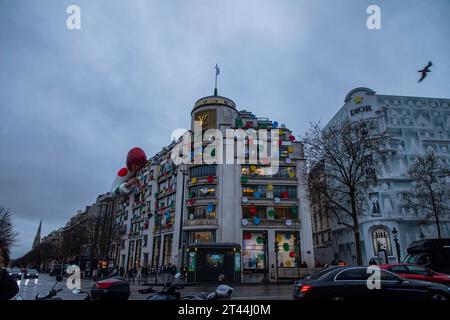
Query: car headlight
{"points": [[10, 274], [28, 274]]}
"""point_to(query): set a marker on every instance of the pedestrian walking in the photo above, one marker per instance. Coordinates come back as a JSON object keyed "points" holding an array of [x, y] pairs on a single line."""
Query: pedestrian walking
{"points": [[122, 271], [130, 275], [139, 273], [145, 273]]}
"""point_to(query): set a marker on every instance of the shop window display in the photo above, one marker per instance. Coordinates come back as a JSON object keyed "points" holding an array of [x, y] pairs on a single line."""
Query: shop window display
{"points": [[253, 253], [288, 249]]}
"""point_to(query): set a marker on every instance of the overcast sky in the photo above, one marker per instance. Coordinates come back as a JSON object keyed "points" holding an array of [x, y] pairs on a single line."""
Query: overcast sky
{"points": [[72, 103]]}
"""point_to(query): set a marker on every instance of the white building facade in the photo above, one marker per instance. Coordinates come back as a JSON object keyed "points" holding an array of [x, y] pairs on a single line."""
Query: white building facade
{"points": [[178, 206], [414, 126]]}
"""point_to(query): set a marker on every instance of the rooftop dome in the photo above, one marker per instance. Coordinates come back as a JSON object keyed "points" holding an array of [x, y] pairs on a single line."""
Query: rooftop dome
{"points": [[214, 100]]}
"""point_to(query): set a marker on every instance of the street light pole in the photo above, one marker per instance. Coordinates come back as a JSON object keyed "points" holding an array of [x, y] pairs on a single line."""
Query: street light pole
{"points": [[276, 249], [397, 244]]}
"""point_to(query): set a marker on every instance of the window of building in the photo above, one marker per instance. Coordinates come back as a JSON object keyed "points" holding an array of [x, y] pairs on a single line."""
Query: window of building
{"points": [[381, 241], [284, 213], [202, 212], [156, 247], [254, 191], [288, 256], [145, 260], [130, 263], [144, 244], [201, 236], [167, 257], [249, 212], [254, 250], [290, 191], [202, 191], [137, 254], [203, 171], [262, 171]]}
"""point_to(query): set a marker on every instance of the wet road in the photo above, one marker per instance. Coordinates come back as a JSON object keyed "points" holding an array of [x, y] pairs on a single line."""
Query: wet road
{"points": [[29, 288]]}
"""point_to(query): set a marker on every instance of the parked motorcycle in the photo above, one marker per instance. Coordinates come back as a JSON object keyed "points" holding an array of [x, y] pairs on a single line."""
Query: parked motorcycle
{"points": [[222, 292], [168, 292], [52, 293]]}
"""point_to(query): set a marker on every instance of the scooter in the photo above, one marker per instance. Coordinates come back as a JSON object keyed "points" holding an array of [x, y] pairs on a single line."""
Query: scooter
{"points": [[52, 294], [168, 292], [222, 292]]}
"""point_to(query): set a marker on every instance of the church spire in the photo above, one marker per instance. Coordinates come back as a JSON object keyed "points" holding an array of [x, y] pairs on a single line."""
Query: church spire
{"points": [[37, 238]]}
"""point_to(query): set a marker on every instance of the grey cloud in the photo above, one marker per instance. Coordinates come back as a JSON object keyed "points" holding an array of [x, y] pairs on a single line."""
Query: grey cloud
{"points": [[72, 103]]}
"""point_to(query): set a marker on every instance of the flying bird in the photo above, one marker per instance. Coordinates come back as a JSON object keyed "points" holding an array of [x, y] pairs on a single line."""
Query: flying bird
{"points": [[424, 71]]}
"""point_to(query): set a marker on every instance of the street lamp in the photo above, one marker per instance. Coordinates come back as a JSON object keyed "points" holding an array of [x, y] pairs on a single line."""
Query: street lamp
{"points": [[397, 244], [276, 249]]}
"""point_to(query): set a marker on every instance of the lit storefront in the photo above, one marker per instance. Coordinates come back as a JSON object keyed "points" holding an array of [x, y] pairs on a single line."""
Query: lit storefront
{"points": [[206, 262]]}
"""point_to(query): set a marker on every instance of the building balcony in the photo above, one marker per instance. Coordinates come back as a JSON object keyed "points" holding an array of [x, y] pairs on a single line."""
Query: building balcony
{"points": [[163, 228], [200, 223], [282, 223], [166, 192]]}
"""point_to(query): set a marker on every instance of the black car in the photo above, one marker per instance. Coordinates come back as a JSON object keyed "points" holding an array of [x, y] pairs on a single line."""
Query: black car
{"points": [[351, 283], [15, 273], [31, 274]]}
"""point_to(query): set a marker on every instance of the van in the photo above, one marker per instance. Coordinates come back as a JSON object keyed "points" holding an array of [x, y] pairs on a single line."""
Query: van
{"points": [[433, 254]]}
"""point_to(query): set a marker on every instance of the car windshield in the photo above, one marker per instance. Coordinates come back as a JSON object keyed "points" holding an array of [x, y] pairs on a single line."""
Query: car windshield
{"points": [[15, 270], [420, 259], [32, 271]]}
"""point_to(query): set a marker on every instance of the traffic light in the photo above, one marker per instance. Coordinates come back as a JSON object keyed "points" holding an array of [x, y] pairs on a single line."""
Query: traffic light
{"points": [[276, 246]]}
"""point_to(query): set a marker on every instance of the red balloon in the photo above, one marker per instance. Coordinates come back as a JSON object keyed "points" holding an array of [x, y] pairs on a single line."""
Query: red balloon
{"points": [[210, 179], [292, 254], [247, 236], [136, 158], [292, 138]]}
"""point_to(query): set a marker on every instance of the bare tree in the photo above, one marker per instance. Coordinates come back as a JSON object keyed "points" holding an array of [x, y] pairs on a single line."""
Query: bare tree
{"points": [[431, 187], [345, 150], [100, 230], [8, 237], [74, 241]]}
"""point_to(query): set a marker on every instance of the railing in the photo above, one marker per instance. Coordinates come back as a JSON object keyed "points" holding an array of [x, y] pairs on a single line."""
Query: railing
{"points": [[275, 223], [200, 222]]}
